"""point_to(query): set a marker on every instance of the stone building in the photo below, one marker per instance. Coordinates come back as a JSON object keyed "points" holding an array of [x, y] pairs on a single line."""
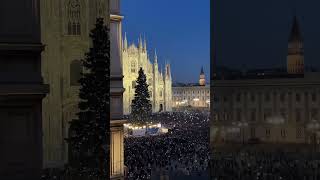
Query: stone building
{"points": [[273, 110], [65, 28], [269, 106], [21, 90], [192, 95], [160, 85], [116, 91]]}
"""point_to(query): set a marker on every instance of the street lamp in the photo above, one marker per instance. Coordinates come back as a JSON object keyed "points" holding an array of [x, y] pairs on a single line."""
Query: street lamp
{"points": [[314, 126], [242, 125]]}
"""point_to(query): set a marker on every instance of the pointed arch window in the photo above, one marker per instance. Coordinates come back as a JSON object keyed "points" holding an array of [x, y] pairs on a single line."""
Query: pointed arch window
{"points": [[100, 9], [133, 67], [74, 17]]}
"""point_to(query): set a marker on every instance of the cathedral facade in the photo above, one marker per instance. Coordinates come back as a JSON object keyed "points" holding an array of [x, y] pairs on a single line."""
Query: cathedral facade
{"points": [[160, 84], [65, 28]]}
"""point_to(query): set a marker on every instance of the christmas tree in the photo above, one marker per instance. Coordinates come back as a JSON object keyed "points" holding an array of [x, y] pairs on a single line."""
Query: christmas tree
{"points": [[89, 136], [141, 106]]}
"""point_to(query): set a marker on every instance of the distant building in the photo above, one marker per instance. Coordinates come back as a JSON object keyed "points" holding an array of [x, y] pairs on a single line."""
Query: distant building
{"points": [[271, 106], [160, 84], [274, 109], [192, 95]]}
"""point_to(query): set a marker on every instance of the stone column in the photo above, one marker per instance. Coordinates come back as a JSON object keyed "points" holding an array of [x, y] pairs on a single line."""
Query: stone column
{"points": [[21, 90]]}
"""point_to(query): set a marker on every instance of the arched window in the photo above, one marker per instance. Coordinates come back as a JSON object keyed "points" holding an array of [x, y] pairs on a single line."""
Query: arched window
{"points": [[133, 67], [73, 20], [75, 72], [100, 8], [133, 84]]}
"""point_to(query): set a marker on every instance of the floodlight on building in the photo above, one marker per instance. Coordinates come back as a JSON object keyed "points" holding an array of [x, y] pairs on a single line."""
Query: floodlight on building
{"points": [[196, 99], [159, 125]]}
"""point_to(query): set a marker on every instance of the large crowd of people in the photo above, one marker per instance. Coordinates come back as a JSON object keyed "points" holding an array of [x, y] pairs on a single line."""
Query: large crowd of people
{"points": [[184, 149], [248, 165]]}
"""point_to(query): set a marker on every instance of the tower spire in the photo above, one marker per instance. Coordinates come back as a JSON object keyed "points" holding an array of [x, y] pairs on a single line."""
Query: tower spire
{"points": [[202, 80], [296, 34], [295, 57]]}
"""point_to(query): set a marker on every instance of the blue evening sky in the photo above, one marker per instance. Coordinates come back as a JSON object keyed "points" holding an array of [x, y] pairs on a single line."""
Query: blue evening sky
{"points": [[178, 29]]}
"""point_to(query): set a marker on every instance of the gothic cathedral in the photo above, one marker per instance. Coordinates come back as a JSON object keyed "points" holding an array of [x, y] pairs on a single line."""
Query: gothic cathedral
{"points": [[65, 28], [160, 85]]}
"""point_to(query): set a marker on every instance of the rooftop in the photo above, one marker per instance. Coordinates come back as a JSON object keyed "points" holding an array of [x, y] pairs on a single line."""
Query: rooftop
{"points": [[187, 85], [269, 73]]}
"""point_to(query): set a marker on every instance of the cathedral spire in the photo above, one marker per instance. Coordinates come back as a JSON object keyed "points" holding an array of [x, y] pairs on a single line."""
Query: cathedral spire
{"points": [[125, 43], [168, 71], [140, 42], [145, 43], [155, 57]]}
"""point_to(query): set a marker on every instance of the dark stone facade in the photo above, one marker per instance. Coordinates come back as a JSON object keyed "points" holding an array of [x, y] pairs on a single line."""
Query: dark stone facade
{"points": [[21, 90]]}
